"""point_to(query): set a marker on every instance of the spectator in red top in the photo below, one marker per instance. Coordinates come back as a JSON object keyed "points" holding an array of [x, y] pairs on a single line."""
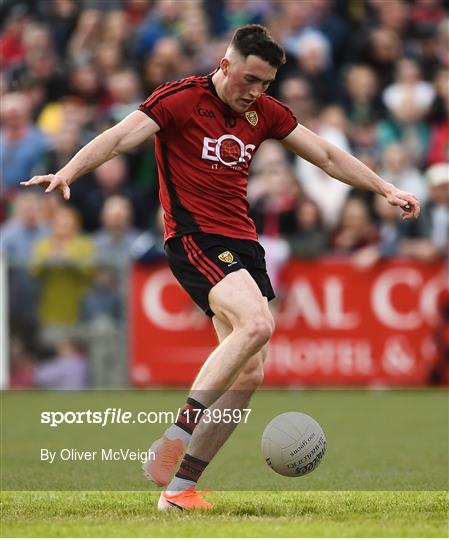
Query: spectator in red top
{"points": [[12, 50], [136, 11], [426, 11], [439, 144]]}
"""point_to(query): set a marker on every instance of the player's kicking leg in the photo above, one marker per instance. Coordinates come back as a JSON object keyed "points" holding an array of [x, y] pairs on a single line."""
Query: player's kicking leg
{"points": [[168, 451], [237, 301], [209, 437]]}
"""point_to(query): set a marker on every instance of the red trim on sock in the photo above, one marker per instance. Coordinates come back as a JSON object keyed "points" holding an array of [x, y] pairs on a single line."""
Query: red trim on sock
{"points": [[189, 417], [191, 468]]}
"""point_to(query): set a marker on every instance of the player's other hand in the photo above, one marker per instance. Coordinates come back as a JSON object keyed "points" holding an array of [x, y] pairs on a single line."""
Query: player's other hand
{"points": [[50, 182], [408, 203]]}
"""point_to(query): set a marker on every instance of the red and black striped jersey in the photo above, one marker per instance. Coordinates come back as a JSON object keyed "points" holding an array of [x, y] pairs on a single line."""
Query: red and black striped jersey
{"points": [[203, 152]]}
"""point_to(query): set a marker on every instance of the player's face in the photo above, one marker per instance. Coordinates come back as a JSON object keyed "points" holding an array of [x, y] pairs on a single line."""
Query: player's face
{"points": [[246, 79]]}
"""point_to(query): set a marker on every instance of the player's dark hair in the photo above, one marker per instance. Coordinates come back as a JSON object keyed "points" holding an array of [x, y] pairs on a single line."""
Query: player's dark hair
{"points": [[254, 39]]}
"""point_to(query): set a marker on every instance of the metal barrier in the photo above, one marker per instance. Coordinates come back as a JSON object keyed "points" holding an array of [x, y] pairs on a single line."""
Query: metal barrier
{"points": [[39, 349]]}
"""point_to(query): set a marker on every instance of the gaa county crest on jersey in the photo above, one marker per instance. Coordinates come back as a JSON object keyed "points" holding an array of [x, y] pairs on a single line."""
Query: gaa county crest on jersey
{"points": [[226, 257], [252, 117]]}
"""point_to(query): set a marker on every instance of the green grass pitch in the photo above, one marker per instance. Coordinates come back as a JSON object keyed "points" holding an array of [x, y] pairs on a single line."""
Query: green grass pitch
{"points": [[385, 473], [244, 514]]}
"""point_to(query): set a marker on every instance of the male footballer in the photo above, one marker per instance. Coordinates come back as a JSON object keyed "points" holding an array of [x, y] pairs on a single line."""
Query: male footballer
{"points": [[207, 130]]}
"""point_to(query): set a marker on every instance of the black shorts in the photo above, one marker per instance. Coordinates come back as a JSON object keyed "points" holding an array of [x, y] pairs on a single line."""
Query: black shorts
{"points": [[200, 260]]}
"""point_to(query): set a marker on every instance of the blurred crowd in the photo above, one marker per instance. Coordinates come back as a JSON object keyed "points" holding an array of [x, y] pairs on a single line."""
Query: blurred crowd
{"points": [[371, 76]]}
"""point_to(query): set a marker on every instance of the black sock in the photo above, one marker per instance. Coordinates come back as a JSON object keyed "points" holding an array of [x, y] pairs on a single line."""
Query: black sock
{"points": [[191, 468], [190, 415]]}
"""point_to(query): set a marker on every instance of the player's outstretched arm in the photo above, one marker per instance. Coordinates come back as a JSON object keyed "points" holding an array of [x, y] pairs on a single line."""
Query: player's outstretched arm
{"points": [[128, 133], [341, 165]]}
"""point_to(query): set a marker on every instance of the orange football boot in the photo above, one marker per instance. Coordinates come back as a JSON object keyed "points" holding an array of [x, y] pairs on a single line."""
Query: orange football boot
{"points": [[167, 454], [189, 499]]}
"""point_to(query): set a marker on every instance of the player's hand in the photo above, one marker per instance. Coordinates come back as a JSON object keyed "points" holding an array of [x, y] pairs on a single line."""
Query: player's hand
{"points": [[408, 203], [50, 182]]}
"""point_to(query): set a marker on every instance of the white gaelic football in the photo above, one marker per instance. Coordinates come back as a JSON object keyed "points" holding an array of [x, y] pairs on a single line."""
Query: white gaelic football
{"points": [[293, 444]]}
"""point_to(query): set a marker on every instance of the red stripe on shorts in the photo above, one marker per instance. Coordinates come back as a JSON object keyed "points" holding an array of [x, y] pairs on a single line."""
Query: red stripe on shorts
{"points": [[207, 261], [198, 264]]}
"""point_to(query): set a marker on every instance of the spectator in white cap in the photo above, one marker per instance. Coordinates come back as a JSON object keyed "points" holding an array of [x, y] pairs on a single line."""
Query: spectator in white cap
{"points": [[436, 212], [438, 175], [428, 238]]}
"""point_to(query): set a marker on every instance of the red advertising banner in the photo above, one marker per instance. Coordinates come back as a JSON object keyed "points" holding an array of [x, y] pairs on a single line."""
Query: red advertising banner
{"points": [[335, 325]]}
